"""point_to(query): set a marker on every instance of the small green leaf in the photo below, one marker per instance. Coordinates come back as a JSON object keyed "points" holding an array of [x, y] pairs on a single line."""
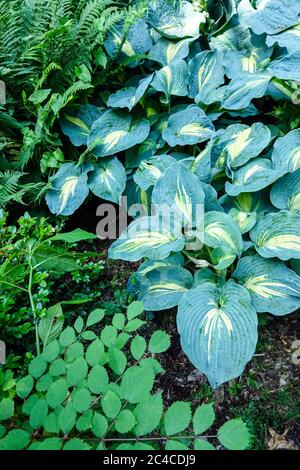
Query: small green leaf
{"points": [[234, 435], [177, 418], [84, 422], [175, 445], [118, 321], [125, 421], [74, 351], [52, 443], [201, 444], [136, 383], [138, 347], [24, 386], [37, 367], [135, 308], [76, 444], [57, 393], [88, 335], [67, 419], [159, 342], [16, 439], [67, 336], [111, 404], [97, 379], [38, 414], [81, 400], [6, 408], [109, 335], [117, 360], [51, 351], [95, 317], [95, 352], [58, 367], [78, 325], [134, 325], [203, 418], [148, 414], [99, 425], [77, 371]]}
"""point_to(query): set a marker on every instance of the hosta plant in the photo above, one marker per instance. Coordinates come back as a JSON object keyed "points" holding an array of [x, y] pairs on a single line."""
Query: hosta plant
{"points": [[189, 130], [92, 387]]}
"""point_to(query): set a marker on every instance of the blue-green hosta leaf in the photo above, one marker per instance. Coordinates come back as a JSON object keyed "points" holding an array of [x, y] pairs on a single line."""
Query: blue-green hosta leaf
{"points": [[201, 165], [245, 142], [108, 179], [290, 39], [221, 231], [114, 132], [77, 125], [128, 97], [252, 177], [286, 67], [175, 19], [286, 155], [269, 16], [188, 127], [169, 52], [163, 287], [277, 235], [285, 193], [273, 287], [152, 169], [218, 329], [206, 74], [180, 189], [172, 80], [148, 237], [68, 188], [245, 209], [211, 199], [244, 88], [137, 42]]}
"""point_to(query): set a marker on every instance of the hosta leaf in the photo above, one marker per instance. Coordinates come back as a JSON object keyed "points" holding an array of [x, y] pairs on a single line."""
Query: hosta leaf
{"points": [[114, 132], [218, 329], [257, 174], [273, 287], [221, 231], [108, 179], [287, 67], [169, 52], [129, 96], [188, 127], [278, 235], [175, 19], [162, 288], [77, 124], [245, 142], [285, 193], [172, 80], [244, 88], [68, 188], [151, 170], [290, 39], [130, 43], [147, 237], [286, 154], [180, 190], [206, 73], [269, 16]]}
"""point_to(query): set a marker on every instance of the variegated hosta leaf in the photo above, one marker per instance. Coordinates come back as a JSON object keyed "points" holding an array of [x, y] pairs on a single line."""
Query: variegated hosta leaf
{"points": [[114, 132], [148, 237], [222, 257], [245, 142], [204, 275], [252, 177], [211, 199], [286, 154], [206, 74], [108, 179], [287, 67], [290, 39], [68, 188], [128, 97], [77, 125], [244, 88], [180, 190], [285, 193], [137, 41], [245, 208], [175, 19], [218, 329], [163, 287], [169, 52], [201, 165], [172, 80], [221, 231], [188, 127], [273, 287], [152, 169], [277, 235], [269, 16]]}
